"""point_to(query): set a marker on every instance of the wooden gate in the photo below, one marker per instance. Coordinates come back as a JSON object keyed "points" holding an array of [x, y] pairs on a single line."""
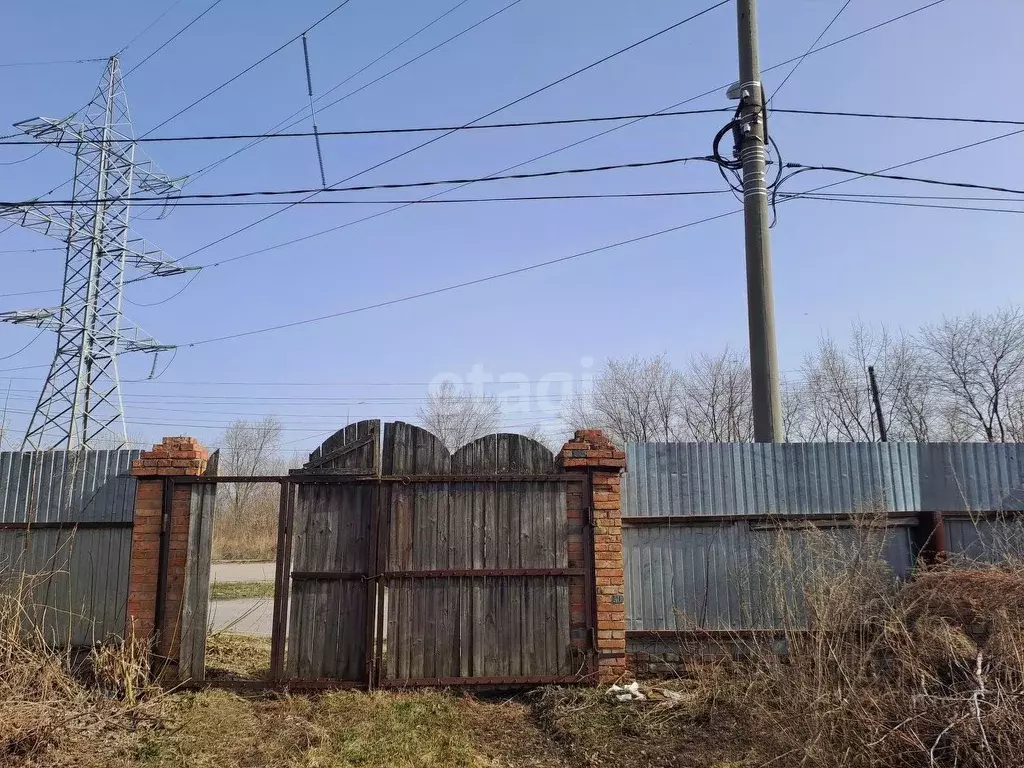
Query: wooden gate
{"points": [[329, 559], [474, 567], [422, 567]]}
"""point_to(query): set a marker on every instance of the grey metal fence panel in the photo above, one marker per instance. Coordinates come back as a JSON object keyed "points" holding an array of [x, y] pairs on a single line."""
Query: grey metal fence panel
{"points": [[984, 540], [75, 580], [761, 479], [963, 477], [62, 486], [740, 575]]}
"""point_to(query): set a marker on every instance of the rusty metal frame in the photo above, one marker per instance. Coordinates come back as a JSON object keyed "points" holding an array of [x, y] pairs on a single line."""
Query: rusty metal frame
{"points": [[485, 682], [67, 526], [360, 477], [282, 585], [382, 513], [374, 595], [837, 517]]}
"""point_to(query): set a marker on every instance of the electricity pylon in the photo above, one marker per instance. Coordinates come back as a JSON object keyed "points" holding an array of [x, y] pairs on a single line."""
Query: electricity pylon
{"points": [[80, 403]]}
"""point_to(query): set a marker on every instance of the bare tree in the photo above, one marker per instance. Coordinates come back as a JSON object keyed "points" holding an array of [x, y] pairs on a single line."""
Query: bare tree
{"points": [[542, 436], [837, 393], [978, 363], [249, 448], [457, 417], [632, 400], [797, 426], [716, 399]]}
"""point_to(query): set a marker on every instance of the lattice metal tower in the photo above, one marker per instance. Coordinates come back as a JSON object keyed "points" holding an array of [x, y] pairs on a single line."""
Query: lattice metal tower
{"points": [[80, 404]]}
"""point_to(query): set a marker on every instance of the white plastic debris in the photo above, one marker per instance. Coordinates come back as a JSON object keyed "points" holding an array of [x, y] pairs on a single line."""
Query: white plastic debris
{"points": [[670, 695], [629, 692]]}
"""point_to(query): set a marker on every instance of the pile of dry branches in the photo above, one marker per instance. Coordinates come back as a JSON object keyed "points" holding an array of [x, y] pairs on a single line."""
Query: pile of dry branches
{"points": [[927, 674]]}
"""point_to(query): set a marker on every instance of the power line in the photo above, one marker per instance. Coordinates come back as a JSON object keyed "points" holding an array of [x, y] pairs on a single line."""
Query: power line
{"points": [[416, 58], [451, 201], [916, 179], [826, 198], [536, 123], [576, 143], [248, 69], [889, 116], [464, 284], [368, 187], [472, 27], [512, 103], [386, 131], [172, 38], [50, 63], [808, 51], [538, 265], [149, 26], [211, 166], [29, 344]]}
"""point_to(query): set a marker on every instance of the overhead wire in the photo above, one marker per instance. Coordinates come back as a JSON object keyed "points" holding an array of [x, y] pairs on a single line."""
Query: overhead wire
{"points": [[50, 63], [404, 130], [454, 200], [248, 69], [22, 349], [539, 265], [257, 139], [915, 179], [493, 112], [817, 40], [899, 116], [169, 40], [368, 187], [571, 145], [904, 204], [860, 174], [149, 26], [26, 159], [463, 284]]}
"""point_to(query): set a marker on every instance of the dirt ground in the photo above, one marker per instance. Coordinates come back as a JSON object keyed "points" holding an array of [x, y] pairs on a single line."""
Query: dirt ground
{"points": [[544, 728], [425, 729]]}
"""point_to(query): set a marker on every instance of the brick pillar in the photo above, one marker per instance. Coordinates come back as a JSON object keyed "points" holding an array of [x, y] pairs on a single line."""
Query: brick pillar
{"points": [[174, 457], [590, 451]]}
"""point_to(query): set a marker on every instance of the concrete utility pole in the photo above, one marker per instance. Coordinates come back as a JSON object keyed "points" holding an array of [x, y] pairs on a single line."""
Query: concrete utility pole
{"points": [[764, 358]]}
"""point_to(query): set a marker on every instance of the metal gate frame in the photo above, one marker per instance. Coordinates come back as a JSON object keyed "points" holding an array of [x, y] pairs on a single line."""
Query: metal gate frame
{"points": [[373, 576]]}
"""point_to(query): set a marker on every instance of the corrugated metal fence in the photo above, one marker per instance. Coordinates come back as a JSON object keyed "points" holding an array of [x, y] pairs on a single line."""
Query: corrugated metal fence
{"points": [[722, 536], [65, 539]]}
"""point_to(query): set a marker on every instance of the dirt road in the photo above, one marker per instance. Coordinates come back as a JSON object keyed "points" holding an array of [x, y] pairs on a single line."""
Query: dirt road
{"points": [[247, 616]]}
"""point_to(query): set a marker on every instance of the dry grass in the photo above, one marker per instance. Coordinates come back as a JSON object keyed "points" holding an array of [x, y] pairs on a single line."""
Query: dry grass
{"points": [[245, 523], [234, 656], [595, 730], [53, 702], [926, 675], [378, 730]]}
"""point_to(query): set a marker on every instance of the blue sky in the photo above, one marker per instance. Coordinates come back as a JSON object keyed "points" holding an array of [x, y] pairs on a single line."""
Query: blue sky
{"points": [[681, 293]]}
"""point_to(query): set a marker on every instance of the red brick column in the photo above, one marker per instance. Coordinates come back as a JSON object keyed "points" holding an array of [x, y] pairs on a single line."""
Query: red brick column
{"points": [[592, 452], [174, 457]]}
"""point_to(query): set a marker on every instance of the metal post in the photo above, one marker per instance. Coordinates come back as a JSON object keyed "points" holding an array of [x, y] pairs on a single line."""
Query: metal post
{"points": [[882, 434], [764, 362]]}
